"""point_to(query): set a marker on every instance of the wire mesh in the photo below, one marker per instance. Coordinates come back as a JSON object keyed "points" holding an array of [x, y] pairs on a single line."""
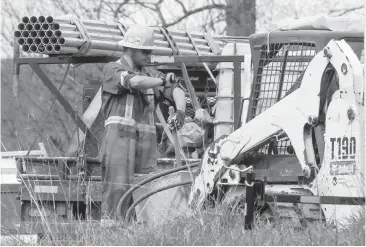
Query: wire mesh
{"points": [[279, 72]]}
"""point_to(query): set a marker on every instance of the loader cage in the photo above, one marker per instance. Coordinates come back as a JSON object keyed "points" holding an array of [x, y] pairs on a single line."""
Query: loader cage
{"points": [[279, 61]]}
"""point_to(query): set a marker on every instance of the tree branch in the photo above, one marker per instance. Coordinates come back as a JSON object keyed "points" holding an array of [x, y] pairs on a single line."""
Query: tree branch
{"points": [[195, 11], [342, 12]]}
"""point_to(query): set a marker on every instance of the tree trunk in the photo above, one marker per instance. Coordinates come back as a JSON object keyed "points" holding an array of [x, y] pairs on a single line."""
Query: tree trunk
{"points": [[240, 17]]}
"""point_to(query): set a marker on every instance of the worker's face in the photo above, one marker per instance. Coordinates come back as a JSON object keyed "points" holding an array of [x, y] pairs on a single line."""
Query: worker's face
{"points": [[141, 57]]}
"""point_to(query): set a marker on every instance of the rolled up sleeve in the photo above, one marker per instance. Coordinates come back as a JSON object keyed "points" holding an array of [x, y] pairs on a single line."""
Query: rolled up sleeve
{"points": [[116, 79]]}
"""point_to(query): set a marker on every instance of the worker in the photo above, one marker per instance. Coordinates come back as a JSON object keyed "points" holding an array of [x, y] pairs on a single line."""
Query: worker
{"points": [[130, 93]]}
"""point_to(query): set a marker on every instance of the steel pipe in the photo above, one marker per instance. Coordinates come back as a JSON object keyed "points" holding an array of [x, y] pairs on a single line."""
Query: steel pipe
{"points": [[25, 48], [25, 19], [45, 26], [45, 41], [25, 34], [33, 34], [49, 19], [53, 40], [21, 41], [17, 34], [49, 48], [37, 41], [21, 26], [41, 19], [41, 49], [33, 48], [37, 27], [49, 33], [41, 34], [57, 48], [29, 27], [29, 41], [90, 23], [33, 19]]}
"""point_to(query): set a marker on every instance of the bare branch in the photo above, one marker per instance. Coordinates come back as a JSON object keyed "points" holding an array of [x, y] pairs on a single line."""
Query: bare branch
{"points": [[340, 12], [194, 11], [182, 5]]}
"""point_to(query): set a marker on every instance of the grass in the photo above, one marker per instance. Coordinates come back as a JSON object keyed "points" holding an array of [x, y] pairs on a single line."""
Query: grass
{"points": [[214, 227]]}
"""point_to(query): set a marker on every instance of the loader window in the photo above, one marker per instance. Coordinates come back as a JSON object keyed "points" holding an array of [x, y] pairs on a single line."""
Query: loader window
{"points": [[279, 71]]}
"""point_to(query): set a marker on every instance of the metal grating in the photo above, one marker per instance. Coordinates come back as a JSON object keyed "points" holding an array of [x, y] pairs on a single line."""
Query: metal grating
{"points": [[279, 71]]}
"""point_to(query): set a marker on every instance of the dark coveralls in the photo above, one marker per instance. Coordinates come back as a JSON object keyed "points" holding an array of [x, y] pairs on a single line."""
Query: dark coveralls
{"points": [[129, 144]]}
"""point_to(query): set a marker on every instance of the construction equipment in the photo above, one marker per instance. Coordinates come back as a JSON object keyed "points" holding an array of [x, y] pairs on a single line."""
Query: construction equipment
{"points": [[302, 144], [68, 189], [250, 155]]}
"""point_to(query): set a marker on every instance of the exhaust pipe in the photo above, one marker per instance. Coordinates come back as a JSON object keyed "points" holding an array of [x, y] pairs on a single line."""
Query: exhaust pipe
{"points": [[29, 41], [33, 48], [45, 41], [49, 48], [45, 26], [53, 40], [49, 19], [29, 27], [21, 26], [33, 34], [37, 26], [37, 41], [25, 48], [49, 33], [21, 41], [41, 49], [17, 34], [41, 19], [41, 34], [25, 34], [33, 19], [25, 19]]}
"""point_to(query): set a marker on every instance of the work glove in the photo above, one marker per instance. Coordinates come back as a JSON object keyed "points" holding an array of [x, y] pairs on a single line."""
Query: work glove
{"points": [[169, 80], [176, 122]]}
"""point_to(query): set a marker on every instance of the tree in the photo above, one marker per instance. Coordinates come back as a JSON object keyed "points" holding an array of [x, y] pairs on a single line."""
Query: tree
{"points": [[21, 123], [240, 17]]}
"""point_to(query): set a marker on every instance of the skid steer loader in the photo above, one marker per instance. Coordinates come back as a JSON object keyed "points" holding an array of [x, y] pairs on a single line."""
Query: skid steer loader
{"points": [[301, 147]]}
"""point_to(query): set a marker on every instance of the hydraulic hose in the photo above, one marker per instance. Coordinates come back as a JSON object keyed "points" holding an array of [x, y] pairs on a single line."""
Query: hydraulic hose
{"points": [[129, 211], [135, 187]]}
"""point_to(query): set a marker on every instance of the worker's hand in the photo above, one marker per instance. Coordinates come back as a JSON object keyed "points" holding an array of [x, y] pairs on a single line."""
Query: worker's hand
{"points": [[176, 122], [203, 116], [169, 80]]}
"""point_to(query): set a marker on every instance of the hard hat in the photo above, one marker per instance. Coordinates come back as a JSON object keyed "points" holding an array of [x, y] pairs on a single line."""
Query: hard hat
{"points": [[139, 37]]}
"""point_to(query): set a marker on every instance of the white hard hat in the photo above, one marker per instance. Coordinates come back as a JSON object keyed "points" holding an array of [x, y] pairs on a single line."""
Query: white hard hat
{"points": [[139, 37]]}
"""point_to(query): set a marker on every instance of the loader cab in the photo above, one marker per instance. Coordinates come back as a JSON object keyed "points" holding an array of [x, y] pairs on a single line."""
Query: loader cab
{"points": [[280, 59]]}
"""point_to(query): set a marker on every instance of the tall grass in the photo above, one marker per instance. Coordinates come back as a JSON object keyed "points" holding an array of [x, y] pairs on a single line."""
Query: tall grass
{"points": [[220, 227]]}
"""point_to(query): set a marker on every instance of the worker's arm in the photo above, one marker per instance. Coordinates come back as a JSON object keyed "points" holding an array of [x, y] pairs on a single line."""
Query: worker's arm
{"points": [[179, 99], [145, 82]]}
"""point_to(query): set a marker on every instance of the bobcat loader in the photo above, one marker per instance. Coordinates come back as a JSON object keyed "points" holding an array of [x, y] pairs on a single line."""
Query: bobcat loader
{"points": [[302, 147]]}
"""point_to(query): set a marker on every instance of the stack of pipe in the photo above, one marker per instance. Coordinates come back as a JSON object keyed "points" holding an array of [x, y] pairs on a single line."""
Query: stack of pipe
{"points": [[50, 35]]}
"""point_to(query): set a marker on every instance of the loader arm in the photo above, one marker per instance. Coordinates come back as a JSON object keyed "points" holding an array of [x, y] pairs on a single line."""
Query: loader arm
{"points": [[295, 115]]}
